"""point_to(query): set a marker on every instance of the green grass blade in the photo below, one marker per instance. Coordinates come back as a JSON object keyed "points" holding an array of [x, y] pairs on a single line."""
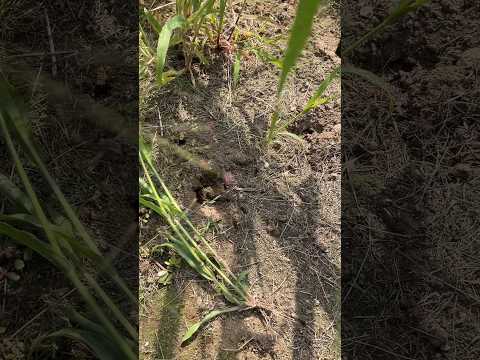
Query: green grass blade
{"points": [[221, 19], [192, 330], [198, 16], [15, 195], [28, 221], [196, 4], [187, 255], [30, 241], [301, 29], [111, 306], [236, 69], [266, 57], [318, 98], [10, 120], [152, 21], [291, 135], [97, 342], [37, 208], [163, 43]]}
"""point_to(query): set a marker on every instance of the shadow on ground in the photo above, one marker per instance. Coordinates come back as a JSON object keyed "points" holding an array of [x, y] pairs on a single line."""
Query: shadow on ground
{"points": [[274, 223]]}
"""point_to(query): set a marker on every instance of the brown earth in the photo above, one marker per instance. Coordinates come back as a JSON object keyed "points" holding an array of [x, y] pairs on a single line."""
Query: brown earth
{"points": [[278, 217], [87, 161], [410, 193]]}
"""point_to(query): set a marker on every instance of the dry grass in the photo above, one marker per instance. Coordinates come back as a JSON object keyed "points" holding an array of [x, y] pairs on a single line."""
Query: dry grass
{"points": [[408, 194], [279, 219]]}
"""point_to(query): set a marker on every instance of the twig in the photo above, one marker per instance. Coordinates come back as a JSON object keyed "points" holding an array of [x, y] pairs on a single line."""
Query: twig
{"points": [[44, 53], [38, 315], [236, 21], [241, 347], [162, 6], [279, 286], [52, 46]]}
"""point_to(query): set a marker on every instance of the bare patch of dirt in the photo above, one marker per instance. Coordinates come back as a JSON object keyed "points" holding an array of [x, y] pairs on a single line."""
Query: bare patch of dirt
{"points": [[277, 215], [410, 186]]}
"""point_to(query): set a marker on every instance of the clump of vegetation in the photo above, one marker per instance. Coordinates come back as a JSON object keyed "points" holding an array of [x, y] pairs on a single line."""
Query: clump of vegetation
{"points": [[198, 24], [63, 241], [186, 241], [299, 34], [196, 27]]}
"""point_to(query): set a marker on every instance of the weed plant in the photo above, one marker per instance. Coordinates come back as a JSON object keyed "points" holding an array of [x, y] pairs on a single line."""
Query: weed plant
{"points": [[184, 239], [299, 34], [67, 245], [195, 25]]}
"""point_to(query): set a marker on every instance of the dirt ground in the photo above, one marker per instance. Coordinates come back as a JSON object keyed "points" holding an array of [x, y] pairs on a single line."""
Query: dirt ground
{"points": [[279, 218], [410, 190], [63, 94]]}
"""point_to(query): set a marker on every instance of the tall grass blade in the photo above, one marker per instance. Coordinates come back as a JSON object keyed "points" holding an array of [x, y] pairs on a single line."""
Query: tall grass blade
{"points": [[59, 249], [163, 43], [153, 21], [301, 29], [221, 19], [30, 241], [98, 342], [192, 330], [198, 16], [14, 194], [318, 98], [236, 69]]}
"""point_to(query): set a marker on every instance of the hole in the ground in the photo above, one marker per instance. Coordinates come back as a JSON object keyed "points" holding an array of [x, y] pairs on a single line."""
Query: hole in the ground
{"points": [[308, 131], [181, 141], [200, 196], [101, 91]]}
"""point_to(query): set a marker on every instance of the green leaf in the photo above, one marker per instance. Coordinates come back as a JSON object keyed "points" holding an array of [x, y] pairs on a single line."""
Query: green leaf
{"points": [[198, 16], [291, 135], [236, 69], [163, 43], [222, 288], [84, 323], [192, 330], [196, 4], [221, 18], [29, 240], [64, 231], [145, 150], [187, 254], [152, 21], [170, 75], [166, 278], [318, 99], [12, 106], [300, 31], [152, 206], [15, 195], [98, 343], [266, 57]]}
